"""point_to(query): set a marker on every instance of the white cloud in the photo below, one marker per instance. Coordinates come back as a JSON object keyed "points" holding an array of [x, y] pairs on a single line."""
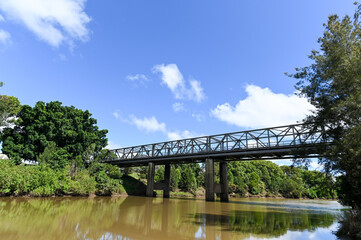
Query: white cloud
{"points": [[2, 18], [112, 145], [173, 78], [176, 135], [151, 124], [263, 108], [138, 78], [198, 116], [4, 37], [178, 107], [148, 124], [196, 91], [54, 22]]}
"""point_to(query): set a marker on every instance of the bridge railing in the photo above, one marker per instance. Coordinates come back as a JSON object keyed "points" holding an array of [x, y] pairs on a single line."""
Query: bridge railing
{"points": [[275, 137]]}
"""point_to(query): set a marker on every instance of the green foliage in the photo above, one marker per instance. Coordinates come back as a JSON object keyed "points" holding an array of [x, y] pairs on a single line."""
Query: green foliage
{"points": [[9, 107], [267, 178], [319, 184], [332, 83], [56, 157], [188, 181], [107, 177], [83, 184], [175, 178], [159, 173], [293, 186], [71, 129], [256, 186], [43, 180]]}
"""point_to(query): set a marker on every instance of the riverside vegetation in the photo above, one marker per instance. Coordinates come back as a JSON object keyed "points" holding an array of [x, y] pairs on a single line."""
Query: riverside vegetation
{"points": [[66, 143], [259, 178]]}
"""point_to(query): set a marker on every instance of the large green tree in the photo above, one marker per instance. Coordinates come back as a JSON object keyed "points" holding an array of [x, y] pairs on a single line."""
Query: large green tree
{"points": [[332, 83], [70, 130]]}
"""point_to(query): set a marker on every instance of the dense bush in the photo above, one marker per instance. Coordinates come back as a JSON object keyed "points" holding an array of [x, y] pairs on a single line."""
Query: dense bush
{"points": [[107, 177], [261, 178], [42, 180]]}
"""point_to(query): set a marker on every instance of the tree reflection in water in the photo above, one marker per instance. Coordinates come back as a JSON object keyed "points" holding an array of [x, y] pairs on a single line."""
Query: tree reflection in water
{"points": [[151, 218]]}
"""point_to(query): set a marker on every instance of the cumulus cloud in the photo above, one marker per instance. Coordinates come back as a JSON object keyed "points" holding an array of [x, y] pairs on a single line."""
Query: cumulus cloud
{"points": [[4, 37], [173, 78], [148, 124], [54, 22], [151, 124], [263, 108], [178, 107]]}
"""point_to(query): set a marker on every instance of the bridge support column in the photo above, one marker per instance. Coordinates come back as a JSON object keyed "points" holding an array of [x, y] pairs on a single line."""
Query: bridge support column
{"points": [[209, 179], [211, 187], [150, 179], [166, 181], [223, 181]]}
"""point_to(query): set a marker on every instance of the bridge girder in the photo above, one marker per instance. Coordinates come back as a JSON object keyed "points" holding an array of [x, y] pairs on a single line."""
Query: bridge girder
{"points": [[282, 142]]}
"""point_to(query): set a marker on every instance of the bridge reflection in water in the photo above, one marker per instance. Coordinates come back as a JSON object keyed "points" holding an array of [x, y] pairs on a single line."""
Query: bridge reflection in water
{"points": [[157, 218], [268, 143]]}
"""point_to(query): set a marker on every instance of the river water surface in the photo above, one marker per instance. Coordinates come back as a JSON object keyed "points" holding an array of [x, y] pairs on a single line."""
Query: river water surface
{"points": [[157, 218]]}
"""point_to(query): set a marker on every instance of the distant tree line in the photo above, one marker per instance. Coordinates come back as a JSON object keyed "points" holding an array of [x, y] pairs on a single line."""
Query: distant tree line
{"points": [[253, 178]]}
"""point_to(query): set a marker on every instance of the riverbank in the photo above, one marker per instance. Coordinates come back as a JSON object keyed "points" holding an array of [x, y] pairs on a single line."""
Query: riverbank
{"points": [[245, 179]]}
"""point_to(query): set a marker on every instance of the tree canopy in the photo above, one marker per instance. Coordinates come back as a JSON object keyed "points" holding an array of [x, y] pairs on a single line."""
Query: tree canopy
{"points": [[9, 107], [68, 130], [332, 83]]}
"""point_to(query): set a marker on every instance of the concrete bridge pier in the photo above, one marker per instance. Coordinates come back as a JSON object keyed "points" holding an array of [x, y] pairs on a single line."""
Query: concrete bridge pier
{"points": [[211, 187], [223, 169], [151, 185], [150, 179], [209, 180]]}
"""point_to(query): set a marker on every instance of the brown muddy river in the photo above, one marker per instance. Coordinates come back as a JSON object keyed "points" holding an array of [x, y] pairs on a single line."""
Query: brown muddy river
{"points": [[157, 218]]}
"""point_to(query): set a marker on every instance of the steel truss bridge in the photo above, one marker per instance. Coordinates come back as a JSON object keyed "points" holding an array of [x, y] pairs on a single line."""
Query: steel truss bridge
{"points": [[282, 142]]}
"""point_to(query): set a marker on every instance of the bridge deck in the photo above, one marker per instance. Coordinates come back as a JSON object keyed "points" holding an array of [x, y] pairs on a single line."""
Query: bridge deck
{"points": [[267, 143]]}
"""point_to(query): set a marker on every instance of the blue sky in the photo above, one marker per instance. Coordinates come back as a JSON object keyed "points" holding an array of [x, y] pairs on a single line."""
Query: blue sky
{"points": [[156, 70]]}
